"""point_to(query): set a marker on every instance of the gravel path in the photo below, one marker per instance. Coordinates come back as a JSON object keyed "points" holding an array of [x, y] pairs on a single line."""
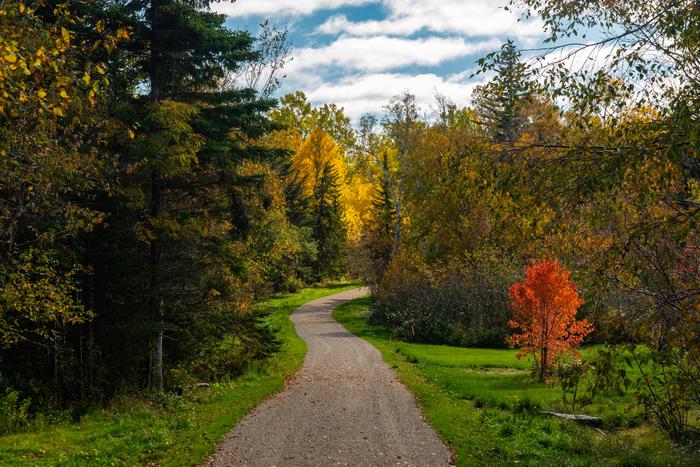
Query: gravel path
{"points": [[345, 407]]}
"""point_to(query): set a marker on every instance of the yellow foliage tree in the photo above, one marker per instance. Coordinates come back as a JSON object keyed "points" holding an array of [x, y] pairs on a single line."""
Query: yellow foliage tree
{"points": [[317, 139]]}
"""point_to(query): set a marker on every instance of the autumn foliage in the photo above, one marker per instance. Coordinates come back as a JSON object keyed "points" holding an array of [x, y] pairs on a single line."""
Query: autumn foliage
{"points": [[544, 306]]}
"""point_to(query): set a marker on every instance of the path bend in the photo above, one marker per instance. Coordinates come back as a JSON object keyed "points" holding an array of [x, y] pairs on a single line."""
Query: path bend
{"points": [[345, 407]]}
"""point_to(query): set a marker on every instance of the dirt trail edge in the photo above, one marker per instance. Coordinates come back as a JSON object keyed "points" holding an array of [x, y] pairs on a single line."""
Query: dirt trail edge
{"points": [[345, 407]]}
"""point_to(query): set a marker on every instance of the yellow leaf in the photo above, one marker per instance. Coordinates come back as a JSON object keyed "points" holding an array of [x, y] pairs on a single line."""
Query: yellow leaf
{"points": [[86, 78], [122, 34], [100, 69], [41, 93], [11, 58], [64, 94], [132, 135], [100, 26], [58, 111]]}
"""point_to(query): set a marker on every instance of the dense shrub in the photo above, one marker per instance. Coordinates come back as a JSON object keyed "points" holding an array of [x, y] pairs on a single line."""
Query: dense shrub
{"points": [[14, 413], [226, 352], [458, 304], [667, 388]]}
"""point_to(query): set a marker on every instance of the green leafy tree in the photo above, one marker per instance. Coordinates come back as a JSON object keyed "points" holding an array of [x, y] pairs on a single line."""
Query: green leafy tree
{"points": [[50, 132]]}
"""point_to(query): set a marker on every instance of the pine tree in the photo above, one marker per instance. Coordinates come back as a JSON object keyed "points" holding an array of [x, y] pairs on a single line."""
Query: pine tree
{"points": [[328, 229], [178, 177], [381, 232], [297, 202], [500, 103]]}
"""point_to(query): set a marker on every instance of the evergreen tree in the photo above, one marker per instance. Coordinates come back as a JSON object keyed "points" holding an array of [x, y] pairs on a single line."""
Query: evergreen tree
{"points": [[299, 212], [500, 103], [328, 229], [382, 226], [298, 203], [163, 262]]}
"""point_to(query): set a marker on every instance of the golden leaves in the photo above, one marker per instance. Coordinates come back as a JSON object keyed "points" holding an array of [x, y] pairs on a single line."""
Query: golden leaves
{"points": [[122, 34], [36, 72], [65, 35]]}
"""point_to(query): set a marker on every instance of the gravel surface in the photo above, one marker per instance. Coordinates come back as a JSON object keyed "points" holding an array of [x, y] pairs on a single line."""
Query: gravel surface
{"points": [[345, 407]]}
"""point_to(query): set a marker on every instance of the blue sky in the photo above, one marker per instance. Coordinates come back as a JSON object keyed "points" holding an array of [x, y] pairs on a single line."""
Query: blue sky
{"points": [[360, 53]]}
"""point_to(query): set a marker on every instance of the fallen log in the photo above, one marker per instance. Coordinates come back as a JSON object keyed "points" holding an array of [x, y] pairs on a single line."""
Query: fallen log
{"points": [[582, 419]]}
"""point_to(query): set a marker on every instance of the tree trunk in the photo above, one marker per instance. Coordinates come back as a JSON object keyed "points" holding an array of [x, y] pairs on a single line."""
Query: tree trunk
{"points": [[155, 377], [156, 302], [543, 363], [398, 194], [156, 374]]}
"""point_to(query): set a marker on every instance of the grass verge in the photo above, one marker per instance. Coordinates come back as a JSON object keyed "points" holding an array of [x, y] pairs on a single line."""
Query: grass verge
{"points": [[483, 403], [169, 430]]}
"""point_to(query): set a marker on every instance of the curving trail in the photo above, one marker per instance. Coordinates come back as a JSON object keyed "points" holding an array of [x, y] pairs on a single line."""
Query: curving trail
{"points": [[345, 407]]}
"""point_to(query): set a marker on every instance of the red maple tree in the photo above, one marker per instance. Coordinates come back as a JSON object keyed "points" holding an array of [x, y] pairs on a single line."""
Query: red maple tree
{"points": [[544, 305]]}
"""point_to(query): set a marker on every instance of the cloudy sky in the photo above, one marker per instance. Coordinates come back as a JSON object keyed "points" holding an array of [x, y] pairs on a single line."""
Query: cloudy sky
{"points": [[360, 53]]}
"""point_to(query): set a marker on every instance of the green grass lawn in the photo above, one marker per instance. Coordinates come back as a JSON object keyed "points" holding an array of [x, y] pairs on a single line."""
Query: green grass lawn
{"points": [[175, 430], [485, 405]]}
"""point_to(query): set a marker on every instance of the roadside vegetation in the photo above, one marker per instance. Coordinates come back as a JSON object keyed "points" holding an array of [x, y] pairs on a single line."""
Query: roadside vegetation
{"points": [[487, 406], [167, 429], [559, 208], [153, 189]]}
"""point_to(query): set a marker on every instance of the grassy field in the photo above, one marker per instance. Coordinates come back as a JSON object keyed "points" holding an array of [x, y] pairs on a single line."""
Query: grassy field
{"points": [[172, 430], [485, 405]]}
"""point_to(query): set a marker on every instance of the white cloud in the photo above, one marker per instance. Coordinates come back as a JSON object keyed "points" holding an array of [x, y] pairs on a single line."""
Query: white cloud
{"points": [[358, 68], [467, 17], [369, 93], [281, 7], [405, 17], [381, 53]]}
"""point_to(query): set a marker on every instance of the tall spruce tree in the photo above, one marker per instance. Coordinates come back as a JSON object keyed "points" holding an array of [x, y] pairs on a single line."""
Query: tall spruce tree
{"points": [[500, 103], [383, 223], [328, 229], [161, 263]]}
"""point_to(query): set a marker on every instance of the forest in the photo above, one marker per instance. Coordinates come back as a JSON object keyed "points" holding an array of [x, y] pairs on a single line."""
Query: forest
{"points": [[155, 186]]}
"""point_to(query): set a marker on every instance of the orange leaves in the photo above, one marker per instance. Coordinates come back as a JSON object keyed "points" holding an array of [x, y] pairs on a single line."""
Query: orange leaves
{"points": [[544, 308]]}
